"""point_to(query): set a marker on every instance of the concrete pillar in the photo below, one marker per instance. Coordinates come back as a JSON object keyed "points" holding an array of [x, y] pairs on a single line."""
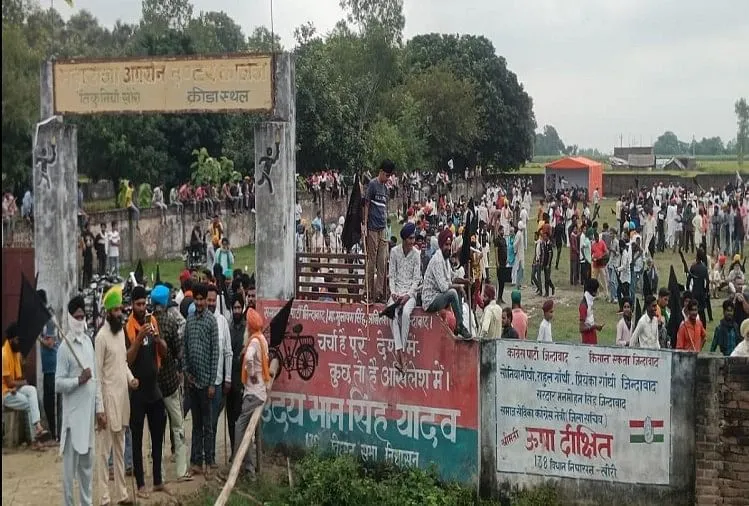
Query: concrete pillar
{"points": [[275, 166], [47, 90], [55, 179]]}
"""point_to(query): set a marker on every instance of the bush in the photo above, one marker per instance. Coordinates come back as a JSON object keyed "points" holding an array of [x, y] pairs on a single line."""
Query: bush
{"points": [[144, 196]]}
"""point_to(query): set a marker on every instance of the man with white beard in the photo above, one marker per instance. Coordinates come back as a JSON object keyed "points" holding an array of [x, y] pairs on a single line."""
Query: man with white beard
{"points": [[75, 379]]}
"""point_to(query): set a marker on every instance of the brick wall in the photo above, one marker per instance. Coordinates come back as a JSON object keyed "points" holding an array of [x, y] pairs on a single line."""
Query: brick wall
{"points": [[722, 431]]}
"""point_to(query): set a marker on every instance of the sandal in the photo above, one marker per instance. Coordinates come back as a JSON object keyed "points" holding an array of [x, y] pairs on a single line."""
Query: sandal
{"points": [[186, 477], [142, 493]]}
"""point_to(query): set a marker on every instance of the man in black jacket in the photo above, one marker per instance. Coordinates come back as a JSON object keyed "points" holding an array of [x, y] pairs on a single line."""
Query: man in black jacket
{"points": [[234, 397], [501, 245]]}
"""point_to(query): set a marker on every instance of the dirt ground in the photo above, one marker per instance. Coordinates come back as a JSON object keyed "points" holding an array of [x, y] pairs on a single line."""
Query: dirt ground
{"points": [[34, 478]]}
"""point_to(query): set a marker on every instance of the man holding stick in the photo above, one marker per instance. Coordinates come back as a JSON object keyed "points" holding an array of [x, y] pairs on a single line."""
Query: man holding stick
{"points": [[75, 379], [256, 379]]}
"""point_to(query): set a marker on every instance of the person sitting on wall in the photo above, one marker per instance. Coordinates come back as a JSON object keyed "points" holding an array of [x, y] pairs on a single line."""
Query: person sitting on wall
{"points": [[439, 291], [405, 277]]}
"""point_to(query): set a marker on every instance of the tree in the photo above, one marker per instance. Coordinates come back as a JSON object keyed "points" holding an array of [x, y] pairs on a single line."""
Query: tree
{"points": [[385, 16], [742, 134], [548, 143], [670, 145], [506, 111], [167, 14]]}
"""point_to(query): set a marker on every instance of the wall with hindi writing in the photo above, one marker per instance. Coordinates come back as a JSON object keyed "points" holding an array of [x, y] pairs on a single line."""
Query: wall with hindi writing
{"points": [[339, 389], [604, 425]]}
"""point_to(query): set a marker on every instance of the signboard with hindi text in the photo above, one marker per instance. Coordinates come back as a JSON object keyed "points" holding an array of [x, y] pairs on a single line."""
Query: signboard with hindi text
{"points": [[341, 389], [230, 83], [583, 412]]}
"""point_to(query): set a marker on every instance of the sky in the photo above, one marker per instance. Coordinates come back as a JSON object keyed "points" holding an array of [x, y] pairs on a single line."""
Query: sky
{"points": [[603, 72]]}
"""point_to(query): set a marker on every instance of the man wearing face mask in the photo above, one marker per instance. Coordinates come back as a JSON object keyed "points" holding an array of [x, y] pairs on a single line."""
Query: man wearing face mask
{"points": [[439, 291], [234, 397], [82, 403], [113, 379], [170, 376], [145, 350], [223, 371]]}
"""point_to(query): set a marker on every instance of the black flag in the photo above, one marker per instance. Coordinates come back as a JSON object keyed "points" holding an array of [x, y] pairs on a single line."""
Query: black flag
{"points": [[351, 234], [33, 315], [390, 310], [278, 324], [638, 310], [470, 228], [674, 306], [139, 273], [158, 275]]}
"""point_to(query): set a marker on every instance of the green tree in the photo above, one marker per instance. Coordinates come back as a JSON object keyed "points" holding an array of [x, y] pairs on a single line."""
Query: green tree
{"points": [[669, 145], [506, 110], [548, 142], [742, 133]]}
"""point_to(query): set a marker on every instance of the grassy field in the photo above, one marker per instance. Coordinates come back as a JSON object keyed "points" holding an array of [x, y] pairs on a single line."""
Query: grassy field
{"points": [[566, 299]]}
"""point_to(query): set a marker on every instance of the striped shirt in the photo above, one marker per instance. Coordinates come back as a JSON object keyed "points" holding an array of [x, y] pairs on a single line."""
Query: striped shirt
{"points": [[171, 364], [201, 348]]}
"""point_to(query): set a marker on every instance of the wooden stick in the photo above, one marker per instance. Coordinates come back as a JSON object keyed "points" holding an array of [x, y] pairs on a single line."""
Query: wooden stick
{"points": [[249, 433], [65, 338]]}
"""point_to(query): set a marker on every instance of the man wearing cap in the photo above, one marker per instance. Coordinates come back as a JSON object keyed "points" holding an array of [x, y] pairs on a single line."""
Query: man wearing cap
{"points": [[75, 380], [113, 379], [374, 226], [439, 291], [170, 375], [145, 350], [405, 277]]}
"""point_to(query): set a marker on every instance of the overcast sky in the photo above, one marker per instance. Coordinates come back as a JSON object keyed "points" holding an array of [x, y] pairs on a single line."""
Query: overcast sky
{"points": [[596, 69]]}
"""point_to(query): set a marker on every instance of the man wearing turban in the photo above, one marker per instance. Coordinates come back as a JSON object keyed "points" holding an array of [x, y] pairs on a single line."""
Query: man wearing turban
{"points": [[256, 380], [75, 380], [112, 382], [405, 277], [439, 291]]}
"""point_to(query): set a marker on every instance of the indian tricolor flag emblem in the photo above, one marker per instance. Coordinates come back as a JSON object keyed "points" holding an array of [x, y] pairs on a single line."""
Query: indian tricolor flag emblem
{"points": [[646, 431]]}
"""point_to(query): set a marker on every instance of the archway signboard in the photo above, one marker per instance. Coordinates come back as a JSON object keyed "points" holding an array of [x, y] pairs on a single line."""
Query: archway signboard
{"points": [[195, 84]]}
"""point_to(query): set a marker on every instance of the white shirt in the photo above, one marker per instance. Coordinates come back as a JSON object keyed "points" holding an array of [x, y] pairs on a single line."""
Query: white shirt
{"points": [[223, 373], [741, 349], [645, 334], [253, 364], [80, 402], [114, 243], [544, 332]]}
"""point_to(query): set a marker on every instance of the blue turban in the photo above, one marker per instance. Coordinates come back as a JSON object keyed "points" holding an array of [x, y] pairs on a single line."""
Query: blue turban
{"points": [[160, 295], [408, 230]]}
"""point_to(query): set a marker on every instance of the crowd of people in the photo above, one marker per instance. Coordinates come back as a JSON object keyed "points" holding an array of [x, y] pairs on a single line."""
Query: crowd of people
{"points": [[196, 348]]}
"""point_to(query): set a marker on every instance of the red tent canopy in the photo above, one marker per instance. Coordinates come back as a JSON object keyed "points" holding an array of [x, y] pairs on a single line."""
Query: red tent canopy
{"points": [[595, 170]]}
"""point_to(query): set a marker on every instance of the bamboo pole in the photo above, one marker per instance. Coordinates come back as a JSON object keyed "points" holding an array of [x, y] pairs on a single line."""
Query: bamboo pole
{"points": [[244, 446]]}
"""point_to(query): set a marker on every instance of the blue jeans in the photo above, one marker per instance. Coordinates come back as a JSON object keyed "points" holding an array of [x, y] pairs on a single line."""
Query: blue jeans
{"points": [[449, 298], [612, 283], [128, 451]]}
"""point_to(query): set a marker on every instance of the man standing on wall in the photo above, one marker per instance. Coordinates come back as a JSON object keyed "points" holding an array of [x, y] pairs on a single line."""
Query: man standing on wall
{"points": [[201, 363], [375, 223]]}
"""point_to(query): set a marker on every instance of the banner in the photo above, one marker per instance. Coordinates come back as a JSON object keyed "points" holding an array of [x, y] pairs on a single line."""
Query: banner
{"points": [[583, 412], [167, 84], [339, 389]]}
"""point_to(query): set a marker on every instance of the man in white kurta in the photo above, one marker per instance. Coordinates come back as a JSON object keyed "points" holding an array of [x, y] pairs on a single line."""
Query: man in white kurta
{"points": [[113, 379], [81, 405]]}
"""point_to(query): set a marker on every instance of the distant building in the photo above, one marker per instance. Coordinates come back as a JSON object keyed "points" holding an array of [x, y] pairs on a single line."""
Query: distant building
{"points": [[680, 163], [636, 157]]}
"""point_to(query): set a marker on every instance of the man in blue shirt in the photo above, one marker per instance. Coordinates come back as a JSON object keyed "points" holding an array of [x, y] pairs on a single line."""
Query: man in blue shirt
{"points": [[376, 240], [50, 343]]}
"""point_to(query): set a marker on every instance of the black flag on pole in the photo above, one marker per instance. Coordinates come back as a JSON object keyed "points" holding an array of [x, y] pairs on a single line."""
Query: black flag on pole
{"points": [[33, 315], [158, 276], [278, 324], [139, 273], [674, 306], [351, 234]]}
